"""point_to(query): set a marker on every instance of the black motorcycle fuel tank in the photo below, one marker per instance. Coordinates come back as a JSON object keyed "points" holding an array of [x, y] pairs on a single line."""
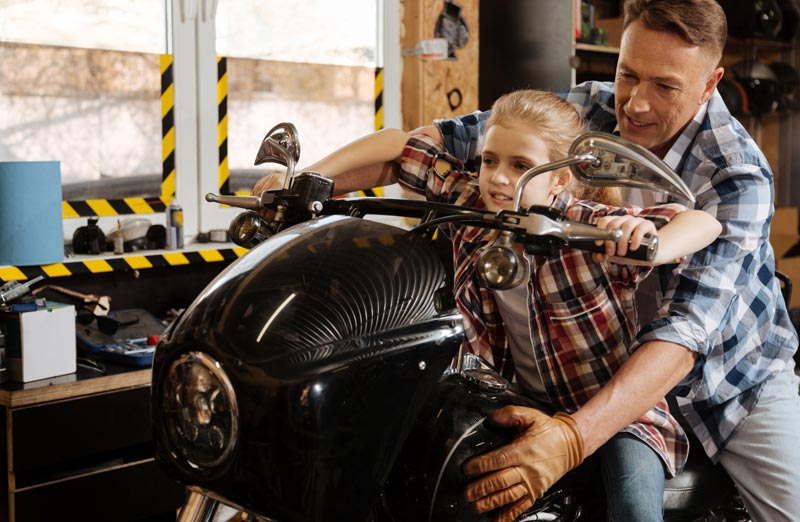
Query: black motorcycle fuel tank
{"points": [[289, 385]]}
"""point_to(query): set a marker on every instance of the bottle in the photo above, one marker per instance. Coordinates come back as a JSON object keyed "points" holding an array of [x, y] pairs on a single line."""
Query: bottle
{"points": [[174, 226], [119, 242]]}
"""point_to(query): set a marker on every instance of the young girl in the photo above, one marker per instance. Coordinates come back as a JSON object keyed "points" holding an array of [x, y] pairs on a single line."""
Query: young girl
{"points": [[564, 334], [567, 331]]}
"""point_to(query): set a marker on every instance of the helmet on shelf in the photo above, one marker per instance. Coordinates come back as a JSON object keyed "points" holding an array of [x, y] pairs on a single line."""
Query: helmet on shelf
{"points": [[754, 19], [760, 84], [734, 96], [788, 86]]}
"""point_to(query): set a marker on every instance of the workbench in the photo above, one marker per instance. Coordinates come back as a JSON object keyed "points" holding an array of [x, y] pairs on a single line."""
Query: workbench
{"points": [[79, 447]]}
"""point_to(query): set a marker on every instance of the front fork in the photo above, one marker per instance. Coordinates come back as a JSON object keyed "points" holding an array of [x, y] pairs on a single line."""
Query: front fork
{"points": [[198, 508], [201, 508]]}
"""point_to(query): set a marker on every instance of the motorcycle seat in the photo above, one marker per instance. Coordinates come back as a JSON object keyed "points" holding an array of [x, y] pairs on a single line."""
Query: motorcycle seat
{"points": [[702, 485]]}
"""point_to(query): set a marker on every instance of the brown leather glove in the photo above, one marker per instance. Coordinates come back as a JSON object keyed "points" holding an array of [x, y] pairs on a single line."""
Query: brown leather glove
{"points": [[513, 476]]}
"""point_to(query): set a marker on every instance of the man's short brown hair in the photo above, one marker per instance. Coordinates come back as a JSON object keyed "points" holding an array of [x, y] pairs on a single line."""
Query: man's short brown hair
{"points": [[697, 22]]}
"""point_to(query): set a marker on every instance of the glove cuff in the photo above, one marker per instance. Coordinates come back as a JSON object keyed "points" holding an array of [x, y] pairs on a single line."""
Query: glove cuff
{"points": [[575, 438]]}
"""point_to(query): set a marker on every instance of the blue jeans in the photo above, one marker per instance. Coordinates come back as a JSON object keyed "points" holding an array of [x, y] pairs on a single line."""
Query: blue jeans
{"points": [[634, 477]]}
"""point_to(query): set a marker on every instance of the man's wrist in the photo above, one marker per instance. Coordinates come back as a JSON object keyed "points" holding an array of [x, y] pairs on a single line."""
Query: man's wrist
{"points": [[576, 444]]}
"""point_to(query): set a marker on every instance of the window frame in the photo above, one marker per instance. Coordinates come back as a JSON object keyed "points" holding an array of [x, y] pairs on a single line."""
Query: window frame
{"points": [[200, 152]]}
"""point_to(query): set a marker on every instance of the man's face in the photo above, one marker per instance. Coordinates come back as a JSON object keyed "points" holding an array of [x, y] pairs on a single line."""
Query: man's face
{"points": [[508, 152], [661, 82]]}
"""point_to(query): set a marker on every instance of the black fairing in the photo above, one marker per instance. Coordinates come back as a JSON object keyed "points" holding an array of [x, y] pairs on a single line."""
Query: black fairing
{"points": [[332, 339]]}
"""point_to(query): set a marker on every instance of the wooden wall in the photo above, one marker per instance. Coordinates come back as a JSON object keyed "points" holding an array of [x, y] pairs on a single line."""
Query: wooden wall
{"points": [[425, 83]]}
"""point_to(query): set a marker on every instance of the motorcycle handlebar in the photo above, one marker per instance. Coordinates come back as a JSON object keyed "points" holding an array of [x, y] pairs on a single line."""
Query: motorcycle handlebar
{"points": [[646, 252], [534, 227]]}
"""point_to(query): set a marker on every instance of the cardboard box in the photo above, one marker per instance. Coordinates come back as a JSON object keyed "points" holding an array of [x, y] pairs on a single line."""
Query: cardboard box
{"points": [[41, 343], [784, 237]]}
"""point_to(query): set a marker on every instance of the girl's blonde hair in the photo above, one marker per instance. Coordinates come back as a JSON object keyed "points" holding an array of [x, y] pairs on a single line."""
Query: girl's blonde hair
{"points": [[557, 123]]}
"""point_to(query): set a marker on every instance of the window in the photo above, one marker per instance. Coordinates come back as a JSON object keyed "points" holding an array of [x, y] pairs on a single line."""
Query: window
{"points": [[80, 83], [309, 62]]}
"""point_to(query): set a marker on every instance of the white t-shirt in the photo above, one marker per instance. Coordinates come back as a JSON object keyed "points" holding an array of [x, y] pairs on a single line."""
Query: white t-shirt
{"points": [[513, 307]]}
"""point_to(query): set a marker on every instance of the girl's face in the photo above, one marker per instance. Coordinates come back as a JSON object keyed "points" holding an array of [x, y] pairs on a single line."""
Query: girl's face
{"points": [[509, 150]]}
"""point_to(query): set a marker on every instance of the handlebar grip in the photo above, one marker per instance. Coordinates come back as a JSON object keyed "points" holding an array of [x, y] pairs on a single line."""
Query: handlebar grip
{"points": [[646, 252]]}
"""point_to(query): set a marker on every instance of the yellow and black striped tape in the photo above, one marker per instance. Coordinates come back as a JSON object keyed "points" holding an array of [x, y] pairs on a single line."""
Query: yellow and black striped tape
{"points": [[378, 98], [117, 264], [222, 125], [376, 192], [167, 129], [112, 207], [141, 205]]}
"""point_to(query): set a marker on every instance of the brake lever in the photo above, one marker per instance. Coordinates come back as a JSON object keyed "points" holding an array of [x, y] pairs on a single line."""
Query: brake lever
{"points": [[530, 226], [537, 224], [246, 202]]}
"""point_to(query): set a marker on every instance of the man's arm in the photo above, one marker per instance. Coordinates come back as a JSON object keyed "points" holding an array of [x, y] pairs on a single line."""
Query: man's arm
{"points": [[512, 477], [643, 380]]}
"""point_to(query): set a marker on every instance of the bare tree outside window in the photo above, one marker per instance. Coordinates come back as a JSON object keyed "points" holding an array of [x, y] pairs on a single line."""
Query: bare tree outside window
{"points": [[80, 83]]}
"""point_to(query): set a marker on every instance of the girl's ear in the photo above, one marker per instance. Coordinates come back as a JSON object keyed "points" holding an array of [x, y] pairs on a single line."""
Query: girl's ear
{"points": [[561, 181]]}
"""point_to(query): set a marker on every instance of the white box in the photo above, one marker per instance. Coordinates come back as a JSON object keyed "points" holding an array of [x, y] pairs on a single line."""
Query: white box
{"points": [[41, 343]]}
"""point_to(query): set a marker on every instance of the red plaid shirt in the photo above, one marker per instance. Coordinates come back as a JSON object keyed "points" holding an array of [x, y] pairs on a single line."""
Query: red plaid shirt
{"points": [[582, 313]]}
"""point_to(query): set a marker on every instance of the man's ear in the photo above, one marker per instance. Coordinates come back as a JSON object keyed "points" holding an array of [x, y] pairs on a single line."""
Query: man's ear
{"points": [[561, 181], [711, 84]]}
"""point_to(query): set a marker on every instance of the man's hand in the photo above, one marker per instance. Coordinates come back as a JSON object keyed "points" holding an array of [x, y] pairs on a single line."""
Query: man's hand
{"points": [[514, 476]]}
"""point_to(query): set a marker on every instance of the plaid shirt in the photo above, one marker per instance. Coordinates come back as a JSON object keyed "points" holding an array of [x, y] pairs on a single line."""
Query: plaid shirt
{"points": [[582, 313], [723, 302]]}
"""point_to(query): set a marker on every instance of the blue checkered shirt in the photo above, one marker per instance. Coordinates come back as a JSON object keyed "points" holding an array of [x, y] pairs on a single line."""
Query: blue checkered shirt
{"points": [[723, 302]]}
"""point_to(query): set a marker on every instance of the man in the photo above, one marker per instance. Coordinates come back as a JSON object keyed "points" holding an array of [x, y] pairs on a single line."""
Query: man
{"points": [[721, 343]]}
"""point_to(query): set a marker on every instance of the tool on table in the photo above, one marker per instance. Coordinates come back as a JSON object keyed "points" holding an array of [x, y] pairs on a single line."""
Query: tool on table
{"points": [[131, 341], [99, 305], [14, 289]]}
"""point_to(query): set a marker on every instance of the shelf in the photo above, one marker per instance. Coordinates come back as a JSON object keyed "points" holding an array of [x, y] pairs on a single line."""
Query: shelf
{"points": [[141, 260], [748, 43], [591, 48], [755, 43]]}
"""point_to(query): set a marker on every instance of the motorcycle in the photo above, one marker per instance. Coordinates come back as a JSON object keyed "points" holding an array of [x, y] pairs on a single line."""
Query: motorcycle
{"points": [[319, 378]]}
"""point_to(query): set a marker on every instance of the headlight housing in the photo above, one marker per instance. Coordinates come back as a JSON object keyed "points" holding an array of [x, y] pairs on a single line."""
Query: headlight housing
{"points": [[200, 411]]}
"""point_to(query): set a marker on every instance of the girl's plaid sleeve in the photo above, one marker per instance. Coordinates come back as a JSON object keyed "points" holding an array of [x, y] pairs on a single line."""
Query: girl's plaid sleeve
{"points": [[424, 166]]}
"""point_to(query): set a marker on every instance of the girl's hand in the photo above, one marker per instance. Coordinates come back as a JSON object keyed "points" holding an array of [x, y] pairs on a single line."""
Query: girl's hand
{"points": [[633, 229], [273, 180]]}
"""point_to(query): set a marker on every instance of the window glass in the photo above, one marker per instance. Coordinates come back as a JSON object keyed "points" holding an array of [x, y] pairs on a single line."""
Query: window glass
{"points": [[308, 62], [80, 84]]}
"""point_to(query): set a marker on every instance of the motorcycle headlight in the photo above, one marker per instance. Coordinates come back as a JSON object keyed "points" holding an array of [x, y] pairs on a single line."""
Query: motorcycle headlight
{"points": [[201, 414]]}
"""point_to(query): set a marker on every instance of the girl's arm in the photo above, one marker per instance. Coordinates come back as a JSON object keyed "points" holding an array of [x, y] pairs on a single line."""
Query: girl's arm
{"points": [[361, 164], [685, 234]]}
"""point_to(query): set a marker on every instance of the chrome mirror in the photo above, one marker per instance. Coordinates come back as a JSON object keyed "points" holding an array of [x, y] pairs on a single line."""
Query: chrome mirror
{"points": [[600, 159], [622, 163], [281, 145]]}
